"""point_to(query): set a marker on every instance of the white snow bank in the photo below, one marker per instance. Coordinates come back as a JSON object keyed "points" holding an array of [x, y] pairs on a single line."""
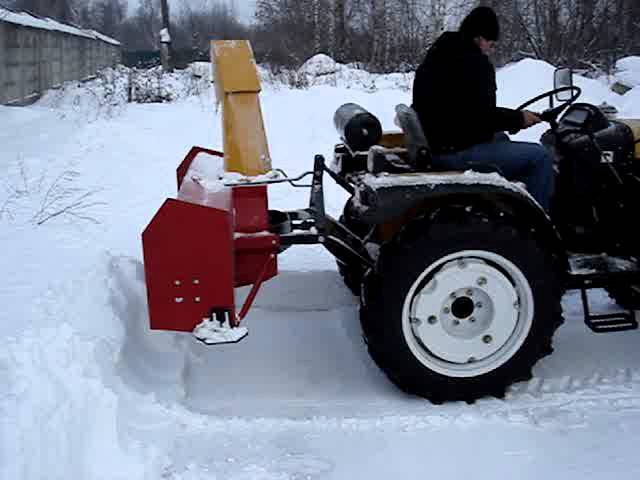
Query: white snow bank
{"points": [[627, 71], [59, 420], [630, 104], [320, 64], [529, 78], [526, 79], [323, 70]]}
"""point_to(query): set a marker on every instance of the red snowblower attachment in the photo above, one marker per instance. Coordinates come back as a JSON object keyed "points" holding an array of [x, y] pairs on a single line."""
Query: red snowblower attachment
{"points": [[218, 234], [215, 237]]}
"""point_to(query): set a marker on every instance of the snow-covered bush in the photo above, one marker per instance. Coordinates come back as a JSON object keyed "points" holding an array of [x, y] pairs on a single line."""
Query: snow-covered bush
{"points": [[155, 86], [103, 96], [110, 90]]}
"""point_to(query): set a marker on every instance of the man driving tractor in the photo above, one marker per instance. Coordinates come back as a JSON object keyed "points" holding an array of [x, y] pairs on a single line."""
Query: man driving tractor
{"points": [[454, 95]]}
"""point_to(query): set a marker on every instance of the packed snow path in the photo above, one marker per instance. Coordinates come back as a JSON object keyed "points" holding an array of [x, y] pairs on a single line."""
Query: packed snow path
{"points": [[90, 393]]}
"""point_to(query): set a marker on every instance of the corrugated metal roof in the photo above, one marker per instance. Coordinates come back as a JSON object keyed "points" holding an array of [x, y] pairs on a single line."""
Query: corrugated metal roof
{"points": [[44, 23]]}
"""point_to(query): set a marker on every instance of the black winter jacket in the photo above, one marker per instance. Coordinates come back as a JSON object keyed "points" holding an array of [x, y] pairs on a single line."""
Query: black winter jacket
{"points": [[454, 95]]}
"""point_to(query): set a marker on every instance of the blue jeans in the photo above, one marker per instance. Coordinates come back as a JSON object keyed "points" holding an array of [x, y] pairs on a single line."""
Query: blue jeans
{"points": [[530, 163]]}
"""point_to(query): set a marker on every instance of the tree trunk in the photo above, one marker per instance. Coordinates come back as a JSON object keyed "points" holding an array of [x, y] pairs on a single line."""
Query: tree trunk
{"points": [[166, 49]]}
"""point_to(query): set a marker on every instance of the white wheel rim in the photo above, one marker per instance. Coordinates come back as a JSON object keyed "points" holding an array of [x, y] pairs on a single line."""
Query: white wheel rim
{"points": [[468, 313]]}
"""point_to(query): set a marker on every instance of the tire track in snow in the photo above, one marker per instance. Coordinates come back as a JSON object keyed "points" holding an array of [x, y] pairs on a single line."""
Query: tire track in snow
{"points": [[569, 383]]}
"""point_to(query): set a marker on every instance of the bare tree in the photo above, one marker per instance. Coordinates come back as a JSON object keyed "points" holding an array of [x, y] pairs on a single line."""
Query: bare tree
{"points": [[63, 10]]}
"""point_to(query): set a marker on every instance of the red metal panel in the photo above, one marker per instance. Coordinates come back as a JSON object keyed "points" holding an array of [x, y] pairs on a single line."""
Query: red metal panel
{"points": [[186, 163], [251, 209], [251, 253], [253, 242], [189, 264]]}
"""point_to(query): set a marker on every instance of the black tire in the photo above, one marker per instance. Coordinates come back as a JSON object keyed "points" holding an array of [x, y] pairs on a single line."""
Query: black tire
{"points": [[352, 274], [421, 244]]}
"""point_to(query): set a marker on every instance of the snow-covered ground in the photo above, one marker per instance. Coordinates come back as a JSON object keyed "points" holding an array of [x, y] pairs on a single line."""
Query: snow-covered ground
{"points": [[90, 393]]}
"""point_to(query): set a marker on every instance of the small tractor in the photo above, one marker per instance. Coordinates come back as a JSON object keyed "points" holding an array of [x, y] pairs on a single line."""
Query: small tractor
{"points": [[459, 274]]}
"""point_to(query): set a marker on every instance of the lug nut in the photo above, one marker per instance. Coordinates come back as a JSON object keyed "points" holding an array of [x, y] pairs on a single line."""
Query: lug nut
{"points": [[416, 321], [432, 320], [446, 310], [487, 339], [478, 304], [472, 319], [482, 281], [456, 322], [469, 293], [453, 295]]}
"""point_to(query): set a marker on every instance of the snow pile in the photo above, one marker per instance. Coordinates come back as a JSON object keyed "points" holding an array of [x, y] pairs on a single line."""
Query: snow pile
{"points": [[323, 70], [319, 65], [630, 104], [529, 78], [627, 71], [59, 420]]}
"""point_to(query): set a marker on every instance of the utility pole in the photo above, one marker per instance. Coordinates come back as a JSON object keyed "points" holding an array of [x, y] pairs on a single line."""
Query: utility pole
{"points": [[166, 51]]}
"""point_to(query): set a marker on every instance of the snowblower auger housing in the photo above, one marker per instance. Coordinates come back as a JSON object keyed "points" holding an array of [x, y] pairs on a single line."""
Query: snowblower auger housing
{"points": [[460, 275]]}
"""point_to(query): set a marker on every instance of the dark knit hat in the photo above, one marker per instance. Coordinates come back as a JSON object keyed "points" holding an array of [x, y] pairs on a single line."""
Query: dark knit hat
{"points": [[481, 22]]}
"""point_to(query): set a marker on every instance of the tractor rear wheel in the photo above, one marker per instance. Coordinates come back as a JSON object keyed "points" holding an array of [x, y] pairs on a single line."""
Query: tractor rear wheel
{"points": [[460, 307]]}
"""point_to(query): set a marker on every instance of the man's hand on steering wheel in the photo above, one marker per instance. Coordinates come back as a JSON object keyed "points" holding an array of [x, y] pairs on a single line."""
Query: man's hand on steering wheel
{"points": [[550, 115], [530, 119]]}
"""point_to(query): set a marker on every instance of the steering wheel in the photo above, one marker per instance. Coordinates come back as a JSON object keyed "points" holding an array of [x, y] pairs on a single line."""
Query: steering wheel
{"points": [[551, 114]]}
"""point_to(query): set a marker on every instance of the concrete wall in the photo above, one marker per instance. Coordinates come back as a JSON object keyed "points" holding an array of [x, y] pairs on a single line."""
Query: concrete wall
{"points": [[34, 60]]}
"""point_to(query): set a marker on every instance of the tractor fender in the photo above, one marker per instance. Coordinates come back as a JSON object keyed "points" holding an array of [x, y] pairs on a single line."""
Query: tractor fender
{"points": [[392, 206]]}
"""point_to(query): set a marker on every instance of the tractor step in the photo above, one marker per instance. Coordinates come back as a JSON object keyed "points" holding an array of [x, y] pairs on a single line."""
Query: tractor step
{"points": [[609, 322], [617, 322]]}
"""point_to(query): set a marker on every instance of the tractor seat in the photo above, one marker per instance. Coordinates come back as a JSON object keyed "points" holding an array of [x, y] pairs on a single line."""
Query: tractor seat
{"points": [[419, 153], [406, 151]]}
